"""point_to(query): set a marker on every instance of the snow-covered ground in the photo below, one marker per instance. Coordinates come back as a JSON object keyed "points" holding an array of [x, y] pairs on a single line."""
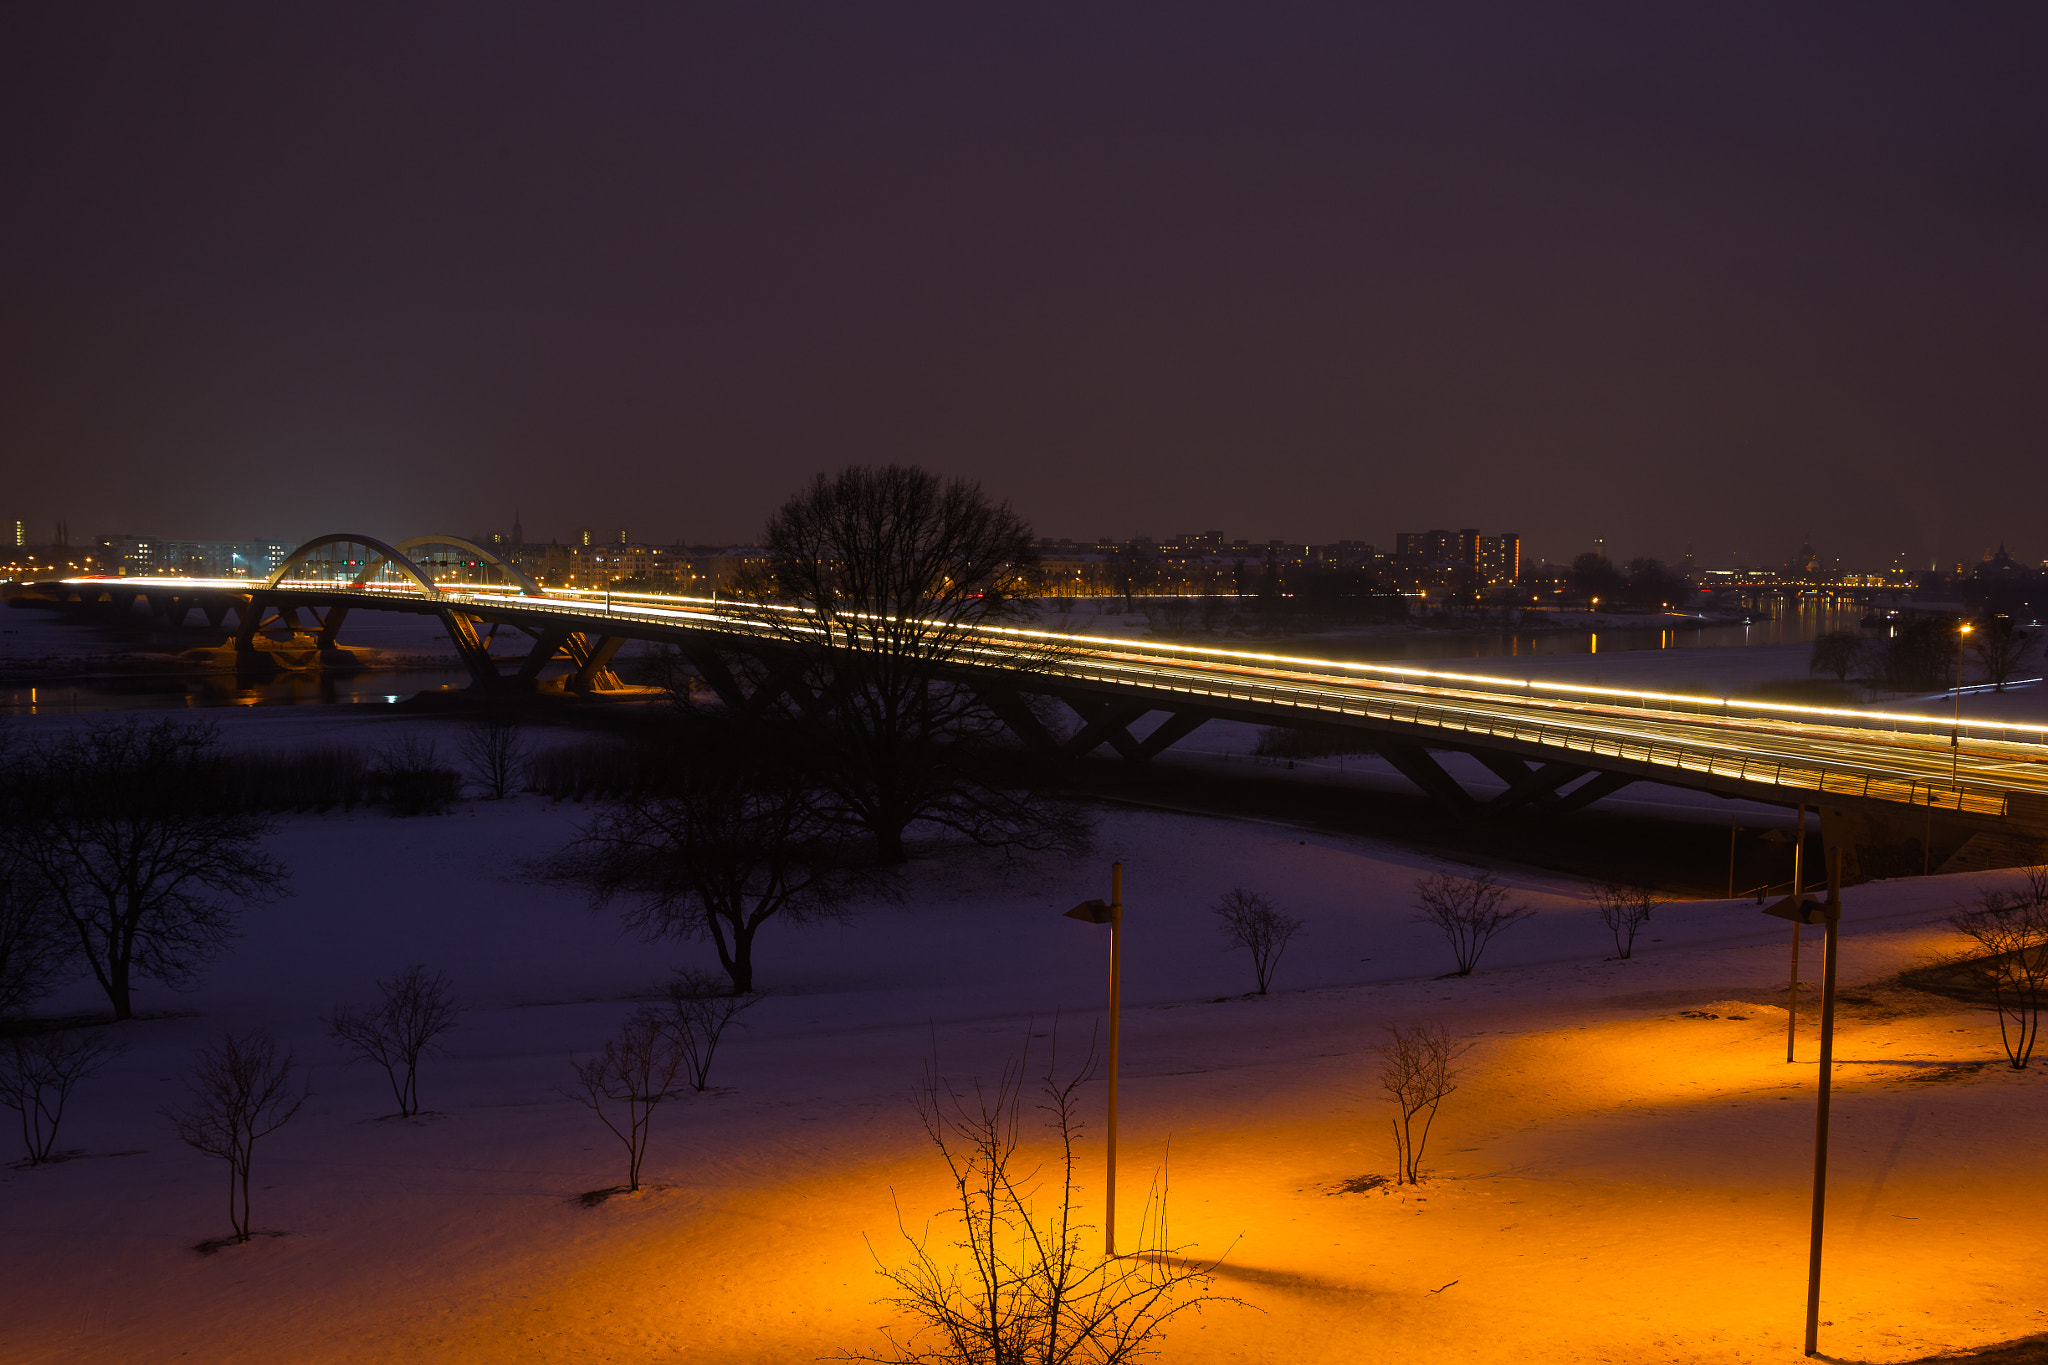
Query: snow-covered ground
{"points": [[1614, 1179]]}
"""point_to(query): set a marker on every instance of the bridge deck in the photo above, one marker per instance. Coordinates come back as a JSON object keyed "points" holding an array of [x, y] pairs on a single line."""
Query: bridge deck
{"points": [[1995, 776]]}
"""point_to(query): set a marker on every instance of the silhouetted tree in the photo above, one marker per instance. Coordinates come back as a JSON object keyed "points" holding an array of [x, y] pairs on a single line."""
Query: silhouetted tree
{"points": [[1594, 575], [38, 1072], [1920, 655], [1256, 924], [1417, 1070], [1624, 906], [417, 1008], [496, 754], [698, 1009], [1838, 652], [737, 837], [626, 1082], [898, 573], [2010, 929], [1469, 911], [1650, 584], [35, 946], [238, 1092], [413, 779], [133, 832], [2000, 647]]}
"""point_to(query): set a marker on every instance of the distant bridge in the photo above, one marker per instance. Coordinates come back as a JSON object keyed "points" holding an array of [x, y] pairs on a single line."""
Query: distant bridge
{"points": [[1977, 794]]}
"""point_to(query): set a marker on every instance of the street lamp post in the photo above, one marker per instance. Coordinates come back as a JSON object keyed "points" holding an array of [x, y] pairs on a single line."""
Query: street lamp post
{"points": [[1112, 914], [1828, 914], [1955, 732], [1798, 887], [1832, 919]]}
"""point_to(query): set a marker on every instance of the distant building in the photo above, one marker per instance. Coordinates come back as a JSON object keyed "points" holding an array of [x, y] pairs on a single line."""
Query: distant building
{"points": [[133, 556], [1461, 558]]}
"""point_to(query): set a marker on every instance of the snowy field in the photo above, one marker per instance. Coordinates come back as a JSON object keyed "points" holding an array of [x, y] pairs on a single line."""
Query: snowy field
{"points": [[1615, 1179]]}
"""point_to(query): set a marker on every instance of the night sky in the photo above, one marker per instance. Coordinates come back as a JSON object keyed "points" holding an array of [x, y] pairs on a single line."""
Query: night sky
{"points": [[1716, 275]]}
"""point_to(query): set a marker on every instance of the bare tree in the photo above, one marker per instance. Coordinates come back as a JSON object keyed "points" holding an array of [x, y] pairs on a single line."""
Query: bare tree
{"points": [[35, 946], [413, 779], [736, 839], [395, 1033], [37, 1075], [1031, 1295], [898, 573], [496, 753], [1418, 1068], [2010, 930], [1624, 906], [1469, 911], [1256, 924], [132, 831], [1838, 652], [625, 1083], [238, 1091], [698, 1008], [2001, 647]]}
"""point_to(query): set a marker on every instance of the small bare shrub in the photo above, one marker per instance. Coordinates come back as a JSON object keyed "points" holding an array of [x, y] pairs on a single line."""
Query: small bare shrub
{"points": [[1277, 741], [1624, 906], [2011, 931], [1469, 911], [319, 777], [496, 753], [1256, 924], [698, 1008], [1030, 1295], [625, 1083], [395, 1033], [413, 781], [591, 769], [238, 1091], [37, 1076], [1418, 1068]]}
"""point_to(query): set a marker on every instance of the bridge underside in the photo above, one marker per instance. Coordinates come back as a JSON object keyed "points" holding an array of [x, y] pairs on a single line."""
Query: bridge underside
{"points": [[1878, 838]]}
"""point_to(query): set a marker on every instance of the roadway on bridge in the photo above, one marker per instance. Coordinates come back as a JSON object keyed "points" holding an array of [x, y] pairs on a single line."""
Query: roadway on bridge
{"points": [[1809, 749]]}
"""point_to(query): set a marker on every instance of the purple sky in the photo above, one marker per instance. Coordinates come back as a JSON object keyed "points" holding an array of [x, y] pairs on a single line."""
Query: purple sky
{"points": [[1718, 277]]}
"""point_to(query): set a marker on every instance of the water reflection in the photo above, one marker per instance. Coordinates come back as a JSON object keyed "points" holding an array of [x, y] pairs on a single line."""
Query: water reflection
{"points": [[157, 692], [1777, 624]]}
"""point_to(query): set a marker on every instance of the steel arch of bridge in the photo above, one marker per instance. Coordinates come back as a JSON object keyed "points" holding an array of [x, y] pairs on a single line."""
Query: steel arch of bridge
{"points": [[527, 587], [390, 555]]}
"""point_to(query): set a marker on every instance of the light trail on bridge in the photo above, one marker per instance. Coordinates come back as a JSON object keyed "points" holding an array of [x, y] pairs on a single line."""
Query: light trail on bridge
{"points": [[1892, 757]]}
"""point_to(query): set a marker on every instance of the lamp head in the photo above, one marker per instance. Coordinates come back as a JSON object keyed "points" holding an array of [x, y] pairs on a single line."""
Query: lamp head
{"points": [[1090, 912]]}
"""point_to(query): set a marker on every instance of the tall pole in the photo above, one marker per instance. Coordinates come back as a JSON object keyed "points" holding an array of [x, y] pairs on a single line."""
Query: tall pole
{"points": [[1733, 830], [1116, 979], [1833, 919], [1955, 733], [1792, 1005]]}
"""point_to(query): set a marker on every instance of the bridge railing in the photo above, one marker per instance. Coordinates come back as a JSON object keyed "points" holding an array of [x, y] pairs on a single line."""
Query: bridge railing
{"points": [[660, 609], [1806, 777]]}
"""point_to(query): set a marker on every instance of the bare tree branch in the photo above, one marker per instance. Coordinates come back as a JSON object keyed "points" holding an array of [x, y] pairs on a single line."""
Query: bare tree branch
{"points": [[1252, 922], [238, 1091], [1028, 1293], [396, 1032], [1417, 1070], [132, 831], [1469, 911], [628, 1080], [37, 1075]]}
